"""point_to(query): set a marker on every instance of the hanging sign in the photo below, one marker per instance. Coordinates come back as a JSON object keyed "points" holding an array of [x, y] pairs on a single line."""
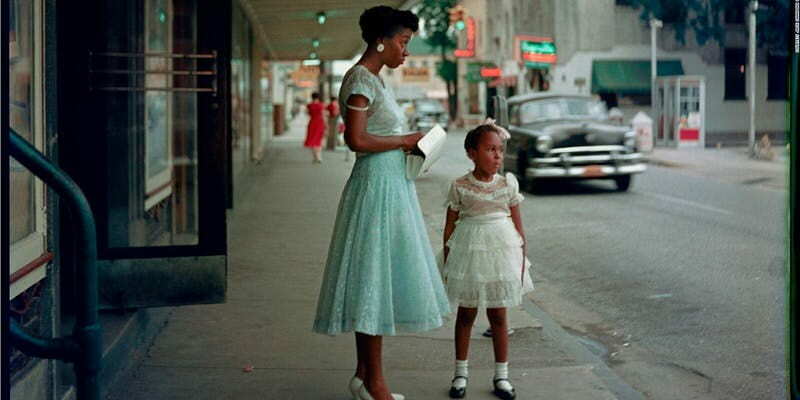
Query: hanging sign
{"points": [[536, 52], [482, 71], [470, 50]]}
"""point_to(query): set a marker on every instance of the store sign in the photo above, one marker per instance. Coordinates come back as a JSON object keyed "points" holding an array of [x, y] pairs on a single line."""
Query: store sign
{"points": [[491, 72], [416, 74], [470, 50], [538, 53], [306, 76]]}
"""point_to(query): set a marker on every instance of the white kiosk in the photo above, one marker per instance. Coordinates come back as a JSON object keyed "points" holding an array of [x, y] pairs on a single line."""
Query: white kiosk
{"points": [[680, 111]]}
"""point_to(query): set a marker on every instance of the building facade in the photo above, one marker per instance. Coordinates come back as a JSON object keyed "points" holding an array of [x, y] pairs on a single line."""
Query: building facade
{"points": [[157, 109], [563, 46]]}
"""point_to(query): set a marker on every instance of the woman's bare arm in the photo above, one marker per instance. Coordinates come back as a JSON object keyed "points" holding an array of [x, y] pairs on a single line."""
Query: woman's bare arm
{"points": [[357, 138]]}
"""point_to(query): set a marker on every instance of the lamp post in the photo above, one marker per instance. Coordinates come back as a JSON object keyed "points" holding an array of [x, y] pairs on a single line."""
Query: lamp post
{"points": [[751, 50], [654, 25]]}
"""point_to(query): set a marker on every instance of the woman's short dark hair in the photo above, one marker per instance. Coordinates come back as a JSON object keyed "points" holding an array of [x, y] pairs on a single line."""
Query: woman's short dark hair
{"points": [[474, 136], [315, 95], [385, 22]]}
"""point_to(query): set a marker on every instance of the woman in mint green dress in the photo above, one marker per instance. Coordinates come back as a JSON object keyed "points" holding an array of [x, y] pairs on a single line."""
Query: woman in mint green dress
{"points": [[381, 276]]}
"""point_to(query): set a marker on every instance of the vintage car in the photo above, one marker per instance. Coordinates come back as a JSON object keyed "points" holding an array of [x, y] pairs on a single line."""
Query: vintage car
{"points": [[427, 113], [566, 136]]}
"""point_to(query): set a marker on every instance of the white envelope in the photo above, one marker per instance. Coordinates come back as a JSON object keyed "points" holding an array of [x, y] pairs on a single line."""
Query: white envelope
{"points": [[431, 145]]}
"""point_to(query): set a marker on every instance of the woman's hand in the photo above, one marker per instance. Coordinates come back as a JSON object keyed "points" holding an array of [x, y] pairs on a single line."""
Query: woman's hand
{"points": [[409, 142]]}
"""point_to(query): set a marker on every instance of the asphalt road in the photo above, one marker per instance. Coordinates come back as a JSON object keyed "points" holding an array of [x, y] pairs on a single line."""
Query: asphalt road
{"points": [[679, 283]]}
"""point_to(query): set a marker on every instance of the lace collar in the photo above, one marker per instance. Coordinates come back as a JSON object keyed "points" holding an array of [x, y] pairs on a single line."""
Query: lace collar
{"points": [[475, 180]]}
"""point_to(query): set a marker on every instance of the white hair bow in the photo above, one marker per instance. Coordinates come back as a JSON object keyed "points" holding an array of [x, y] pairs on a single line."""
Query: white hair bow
{"points": [[502, 132]]}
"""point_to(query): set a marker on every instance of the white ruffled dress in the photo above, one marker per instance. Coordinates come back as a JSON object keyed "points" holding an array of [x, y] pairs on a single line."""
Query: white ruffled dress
{"points": [[484, 267]]}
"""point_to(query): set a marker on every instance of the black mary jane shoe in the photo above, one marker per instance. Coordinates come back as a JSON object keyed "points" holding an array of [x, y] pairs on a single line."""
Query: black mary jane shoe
{"points": [[458, 393], [505, 395]]}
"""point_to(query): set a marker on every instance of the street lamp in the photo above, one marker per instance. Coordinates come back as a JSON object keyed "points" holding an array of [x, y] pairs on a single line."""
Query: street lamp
{"points": [[751, 50], [654, 25], [321, 17], [315, 42]]}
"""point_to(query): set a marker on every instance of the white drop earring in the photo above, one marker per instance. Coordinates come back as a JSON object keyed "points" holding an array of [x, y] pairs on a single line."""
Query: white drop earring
{"points": [[380, 48]]}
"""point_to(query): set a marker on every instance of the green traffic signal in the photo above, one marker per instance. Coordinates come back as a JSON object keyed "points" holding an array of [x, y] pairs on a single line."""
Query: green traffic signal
{"points": [[460, 25]]}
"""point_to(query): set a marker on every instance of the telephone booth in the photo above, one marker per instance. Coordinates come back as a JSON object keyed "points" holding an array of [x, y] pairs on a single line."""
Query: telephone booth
{"points": [[680, 111]]}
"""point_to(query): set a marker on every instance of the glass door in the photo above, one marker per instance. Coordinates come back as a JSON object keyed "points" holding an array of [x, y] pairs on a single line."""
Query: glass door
{"points": [[157, 135]]}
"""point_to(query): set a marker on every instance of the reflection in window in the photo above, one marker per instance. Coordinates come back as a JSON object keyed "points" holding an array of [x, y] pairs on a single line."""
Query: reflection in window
{"points": [[158, 142], [21, 106], [152, 183], [240, 88]]}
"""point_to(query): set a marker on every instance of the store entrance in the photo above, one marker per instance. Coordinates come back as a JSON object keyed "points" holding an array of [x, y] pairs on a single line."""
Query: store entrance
{"points": [[145, 135]]}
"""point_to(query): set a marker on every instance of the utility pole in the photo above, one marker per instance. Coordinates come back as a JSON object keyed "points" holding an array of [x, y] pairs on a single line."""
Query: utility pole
{"points": [[751, 49], [654, 25]]}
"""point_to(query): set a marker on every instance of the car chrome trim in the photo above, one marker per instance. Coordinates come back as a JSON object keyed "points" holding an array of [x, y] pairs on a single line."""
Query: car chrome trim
{"points": [[589, 159], [588, 149], [579, 172]]}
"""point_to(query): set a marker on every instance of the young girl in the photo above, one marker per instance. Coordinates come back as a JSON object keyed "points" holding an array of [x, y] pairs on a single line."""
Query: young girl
{"points": [[484, 252]]}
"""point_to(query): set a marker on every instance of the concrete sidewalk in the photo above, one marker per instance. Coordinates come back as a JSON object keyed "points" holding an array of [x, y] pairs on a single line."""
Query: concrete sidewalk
{"points": [[728, 164], [259, 344]]}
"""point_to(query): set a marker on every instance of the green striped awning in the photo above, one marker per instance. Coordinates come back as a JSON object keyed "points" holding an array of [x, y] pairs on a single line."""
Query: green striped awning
{"points": [[629, 76]]}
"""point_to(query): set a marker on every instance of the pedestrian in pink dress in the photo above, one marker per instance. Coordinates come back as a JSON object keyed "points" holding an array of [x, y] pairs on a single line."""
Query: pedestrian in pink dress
{"points": [[316, 127]]}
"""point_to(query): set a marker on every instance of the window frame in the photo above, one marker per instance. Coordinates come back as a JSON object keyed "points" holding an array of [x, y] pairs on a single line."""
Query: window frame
{"points": [[770, 94], [726, 95], [33, 247]]}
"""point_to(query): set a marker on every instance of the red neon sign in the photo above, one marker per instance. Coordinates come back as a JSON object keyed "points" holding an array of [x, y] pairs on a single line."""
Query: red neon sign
{"points": [[542, 58], [470, 50], [491, 72]]}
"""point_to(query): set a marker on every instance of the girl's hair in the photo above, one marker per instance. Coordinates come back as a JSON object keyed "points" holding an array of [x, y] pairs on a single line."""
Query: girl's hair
{"points": [[314, 96], [474, 136], [385, 22]]}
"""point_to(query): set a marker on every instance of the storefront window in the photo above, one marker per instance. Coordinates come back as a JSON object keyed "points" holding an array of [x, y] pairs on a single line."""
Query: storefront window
{"points": [[21, 115], [158, 160], [240, 89], [151, 125]]}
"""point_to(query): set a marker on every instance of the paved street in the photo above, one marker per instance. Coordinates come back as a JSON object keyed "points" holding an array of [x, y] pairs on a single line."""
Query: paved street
{"points": [[678, 284]]}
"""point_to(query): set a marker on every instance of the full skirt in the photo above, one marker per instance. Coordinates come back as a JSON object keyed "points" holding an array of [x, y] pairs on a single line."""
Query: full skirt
{"points": [[381, 276], [484, 267]]}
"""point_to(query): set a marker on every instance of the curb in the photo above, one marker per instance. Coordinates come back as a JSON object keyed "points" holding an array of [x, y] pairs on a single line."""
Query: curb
{"points": [[615, 384]]}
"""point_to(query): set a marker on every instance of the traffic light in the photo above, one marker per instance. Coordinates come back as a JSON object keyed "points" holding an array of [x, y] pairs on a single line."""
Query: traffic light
{"points": [[457, 17]]}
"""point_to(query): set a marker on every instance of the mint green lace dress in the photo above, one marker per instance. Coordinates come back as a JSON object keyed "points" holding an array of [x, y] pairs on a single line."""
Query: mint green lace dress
{"points": [[381, 276]]}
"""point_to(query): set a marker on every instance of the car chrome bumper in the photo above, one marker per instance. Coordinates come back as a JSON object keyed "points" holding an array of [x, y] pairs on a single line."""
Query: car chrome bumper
{"points": [[607, 161], [586, 171]]}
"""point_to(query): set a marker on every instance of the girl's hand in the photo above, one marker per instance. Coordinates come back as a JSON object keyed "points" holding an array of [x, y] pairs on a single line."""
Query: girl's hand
{"points": [[409, 142]]}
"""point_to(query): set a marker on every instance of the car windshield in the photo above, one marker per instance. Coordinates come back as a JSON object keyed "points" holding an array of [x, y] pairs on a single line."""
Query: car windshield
{"points": [[429, 106], [563, 108]]}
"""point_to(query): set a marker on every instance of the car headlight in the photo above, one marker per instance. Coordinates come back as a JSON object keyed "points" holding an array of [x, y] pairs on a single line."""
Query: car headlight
{"points": [[544, 143], [630, 140]]}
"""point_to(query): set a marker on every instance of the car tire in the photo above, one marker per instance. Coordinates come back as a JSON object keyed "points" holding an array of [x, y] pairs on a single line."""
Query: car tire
{"points": [[623, 182]]}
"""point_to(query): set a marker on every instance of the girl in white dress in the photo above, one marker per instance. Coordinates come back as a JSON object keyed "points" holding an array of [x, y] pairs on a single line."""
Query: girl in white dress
{"points": [[484, 253]]}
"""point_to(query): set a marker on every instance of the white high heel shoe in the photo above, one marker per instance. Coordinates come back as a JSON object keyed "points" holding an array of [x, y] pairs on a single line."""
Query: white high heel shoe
{"points": [[360, 392], [355, 384]]}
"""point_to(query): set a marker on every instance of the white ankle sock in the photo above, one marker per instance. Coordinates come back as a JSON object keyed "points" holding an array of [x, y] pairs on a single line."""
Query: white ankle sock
{"points": [[501, 372], [461, 370]]}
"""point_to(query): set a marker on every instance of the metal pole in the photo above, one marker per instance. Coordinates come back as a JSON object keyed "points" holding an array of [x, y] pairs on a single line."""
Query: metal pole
{"points": [[654, 25], [84, 347], [751, 49]]}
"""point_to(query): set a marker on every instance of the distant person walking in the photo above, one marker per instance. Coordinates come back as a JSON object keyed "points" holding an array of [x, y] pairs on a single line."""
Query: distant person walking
{"points": [[333, 118], [316, 127], [381, 276]]}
